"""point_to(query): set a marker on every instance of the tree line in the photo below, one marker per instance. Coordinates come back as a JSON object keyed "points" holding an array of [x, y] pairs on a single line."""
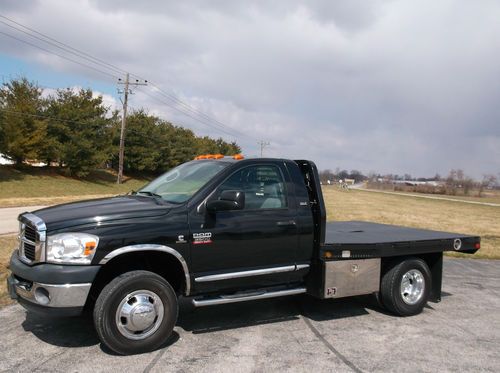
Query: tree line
{"points": [[456, 183], [329, 175], [75, 131]]}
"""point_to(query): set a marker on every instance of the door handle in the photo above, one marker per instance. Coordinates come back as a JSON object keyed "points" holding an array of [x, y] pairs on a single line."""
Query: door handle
{"points": [[286, 223]]}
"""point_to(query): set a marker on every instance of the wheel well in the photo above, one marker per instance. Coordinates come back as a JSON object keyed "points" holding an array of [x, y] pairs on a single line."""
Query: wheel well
{"points": [[433, 260], [163, 264]]}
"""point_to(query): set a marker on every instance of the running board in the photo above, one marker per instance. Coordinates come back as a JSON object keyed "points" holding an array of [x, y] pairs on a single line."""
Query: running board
{"points": [[244, 298]]}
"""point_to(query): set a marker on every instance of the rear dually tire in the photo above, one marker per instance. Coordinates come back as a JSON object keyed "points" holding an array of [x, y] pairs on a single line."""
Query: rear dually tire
{"points": [[405, 287]]}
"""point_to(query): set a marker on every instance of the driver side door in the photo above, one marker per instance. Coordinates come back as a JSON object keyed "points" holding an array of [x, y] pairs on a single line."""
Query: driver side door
{"points": [[249, 248]]}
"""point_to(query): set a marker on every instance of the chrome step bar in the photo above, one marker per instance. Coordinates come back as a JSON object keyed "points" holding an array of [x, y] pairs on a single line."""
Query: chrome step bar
{"points": [[244, 298]]}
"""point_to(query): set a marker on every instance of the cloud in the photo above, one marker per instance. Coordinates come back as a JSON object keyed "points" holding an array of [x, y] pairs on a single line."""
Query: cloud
{"points": [[391, 86], [108, 101]]}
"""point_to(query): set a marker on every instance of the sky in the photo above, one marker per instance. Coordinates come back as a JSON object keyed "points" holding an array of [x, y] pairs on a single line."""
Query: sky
{"points": [[377, 86]]}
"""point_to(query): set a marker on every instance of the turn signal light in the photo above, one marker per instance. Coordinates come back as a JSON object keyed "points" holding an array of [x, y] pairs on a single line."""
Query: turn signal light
{"points": [[89, 248], [238, 157], [477, 245], [328, 254]]}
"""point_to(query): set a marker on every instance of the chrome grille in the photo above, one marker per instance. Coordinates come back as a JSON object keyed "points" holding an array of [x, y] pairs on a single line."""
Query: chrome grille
{"points": [[29, 251], [31, 238], [30, 233]]}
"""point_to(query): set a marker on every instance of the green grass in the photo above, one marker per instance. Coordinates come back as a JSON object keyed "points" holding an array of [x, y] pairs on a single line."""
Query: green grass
{"points": [[41, 186]]}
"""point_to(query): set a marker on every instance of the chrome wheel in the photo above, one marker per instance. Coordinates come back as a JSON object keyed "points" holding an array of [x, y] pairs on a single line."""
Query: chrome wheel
{"points": [[139, 314], [412, 286]]}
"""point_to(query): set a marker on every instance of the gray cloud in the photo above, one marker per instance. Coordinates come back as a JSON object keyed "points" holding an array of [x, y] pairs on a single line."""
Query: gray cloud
{"points": [[391, 86]]}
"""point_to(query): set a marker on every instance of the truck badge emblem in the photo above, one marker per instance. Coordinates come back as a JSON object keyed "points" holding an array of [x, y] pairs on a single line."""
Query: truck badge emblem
{"points": [[354, 268], [202, 238], [180, 239]]}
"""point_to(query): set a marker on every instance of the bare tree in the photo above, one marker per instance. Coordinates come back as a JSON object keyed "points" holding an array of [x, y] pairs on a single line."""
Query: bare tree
{"points": [[489, 181]]}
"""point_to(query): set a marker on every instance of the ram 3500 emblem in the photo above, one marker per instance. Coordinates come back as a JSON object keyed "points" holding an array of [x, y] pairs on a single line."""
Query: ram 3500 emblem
{"points": [[202, 238]]}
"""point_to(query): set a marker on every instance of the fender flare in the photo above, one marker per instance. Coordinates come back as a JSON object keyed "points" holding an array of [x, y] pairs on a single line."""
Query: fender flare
{"points": [[151, 247]]}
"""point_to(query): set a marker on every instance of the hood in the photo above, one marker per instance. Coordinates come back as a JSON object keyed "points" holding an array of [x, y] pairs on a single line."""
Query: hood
{"points": [[101, 210]]}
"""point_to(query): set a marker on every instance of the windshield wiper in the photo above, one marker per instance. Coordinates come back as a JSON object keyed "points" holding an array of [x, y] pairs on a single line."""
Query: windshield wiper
{"points": [[148, 193]]}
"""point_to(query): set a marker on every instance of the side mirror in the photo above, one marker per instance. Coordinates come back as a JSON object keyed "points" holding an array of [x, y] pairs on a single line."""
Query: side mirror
{"points": [[228, 200]]}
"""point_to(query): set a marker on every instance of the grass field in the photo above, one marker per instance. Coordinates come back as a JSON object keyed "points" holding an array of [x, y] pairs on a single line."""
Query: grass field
{"points": [[488, 197], [40, 186], [419, 213]]}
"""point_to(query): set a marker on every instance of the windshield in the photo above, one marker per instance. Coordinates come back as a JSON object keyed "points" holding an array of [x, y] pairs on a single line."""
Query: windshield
{"points": [[181, 182]]}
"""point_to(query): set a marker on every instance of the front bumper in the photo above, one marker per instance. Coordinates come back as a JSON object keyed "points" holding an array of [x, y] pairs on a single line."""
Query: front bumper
{"points": [[49, 288]]}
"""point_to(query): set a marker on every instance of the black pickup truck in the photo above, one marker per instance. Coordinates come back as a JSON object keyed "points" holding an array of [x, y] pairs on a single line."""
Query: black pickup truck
{"points": [[215, 230]]}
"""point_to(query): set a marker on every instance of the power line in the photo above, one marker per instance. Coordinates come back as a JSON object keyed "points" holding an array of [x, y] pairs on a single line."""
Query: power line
{"points": [[22, 113], [126, 92], [136, 133], [194, 110], [191, 109], [180, 106], [67, 48], [61, 45], [59, 55], [263, 144], [205, 122]]}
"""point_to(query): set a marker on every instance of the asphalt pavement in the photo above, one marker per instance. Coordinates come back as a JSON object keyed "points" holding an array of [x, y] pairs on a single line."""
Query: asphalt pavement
{"points": [[461, 333], [8, 218]]}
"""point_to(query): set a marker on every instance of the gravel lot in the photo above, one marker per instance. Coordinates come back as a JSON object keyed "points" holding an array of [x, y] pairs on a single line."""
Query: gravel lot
{"points": [[462, 333]]}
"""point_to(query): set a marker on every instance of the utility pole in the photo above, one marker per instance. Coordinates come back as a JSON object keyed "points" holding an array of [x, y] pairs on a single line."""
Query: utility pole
{"points": [[263, 144], [126, 91]]}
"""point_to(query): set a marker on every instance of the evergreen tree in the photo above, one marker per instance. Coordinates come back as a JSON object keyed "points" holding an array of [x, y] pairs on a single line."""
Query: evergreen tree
{"points": [[77, 132], [22, 126], [80, 131]]}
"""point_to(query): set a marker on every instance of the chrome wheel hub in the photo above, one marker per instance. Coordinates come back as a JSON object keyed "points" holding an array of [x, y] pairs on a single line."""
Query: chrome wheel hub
{"points": [[412, 286], [139, 314]]}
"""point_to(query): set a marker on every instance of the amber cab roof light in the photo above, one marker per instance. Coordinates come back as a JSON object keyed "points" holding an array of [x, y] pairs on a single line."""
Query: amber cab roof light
{"points": [[217, 156]]}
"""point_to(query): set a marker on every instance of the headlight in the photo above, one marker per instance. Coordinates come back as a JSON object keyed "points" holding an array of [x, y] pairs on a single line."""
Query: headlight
{"points": [[71, 248]]}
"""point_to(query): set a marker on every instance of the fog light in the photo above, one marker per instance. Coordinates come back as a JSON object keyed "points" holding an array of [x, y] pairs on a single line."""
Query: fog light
{"points": [[42, 296]]}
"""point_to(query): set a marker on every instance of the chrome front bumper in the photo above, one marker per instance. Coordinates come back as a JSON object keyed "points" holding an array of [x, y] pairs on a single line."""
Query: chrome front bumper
{"points": [[50, 289], [49, 295]]}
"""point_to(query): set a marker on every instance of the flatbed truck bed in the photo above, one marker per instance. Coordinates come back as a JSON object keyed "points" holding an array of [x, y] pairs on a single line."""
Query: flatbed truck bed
{"points": [[361, 239]]}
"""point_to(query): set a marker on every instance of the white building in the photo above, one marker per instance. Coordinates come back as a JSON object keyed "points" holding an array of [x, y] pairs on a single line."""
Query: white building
{"points": [[4, 160]]}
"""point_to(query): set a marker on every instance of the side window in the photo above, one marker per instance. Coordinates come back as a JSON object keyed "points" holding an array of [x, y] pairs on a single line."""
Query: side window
{"points": [[264, 187]]}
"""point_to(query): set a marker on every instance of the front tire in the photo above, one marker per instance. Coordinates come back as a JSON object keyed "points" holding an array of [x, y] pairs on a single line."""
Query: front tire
{"points": [[136, 312], [405, 288]]}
